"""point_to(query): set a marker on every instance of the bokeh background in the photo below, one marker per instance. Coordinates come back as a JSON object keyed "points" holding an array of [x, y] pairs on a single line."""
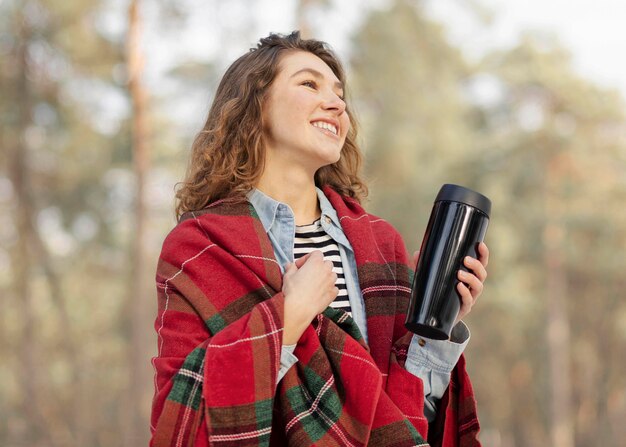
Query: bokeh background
{"points": [[523, 101]]}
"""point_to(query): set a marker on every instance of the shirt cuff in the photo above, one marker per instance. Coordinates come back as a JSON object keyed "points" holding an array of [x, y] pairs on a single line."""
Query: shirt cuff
{"points": [[287, 360], [433, 361]]}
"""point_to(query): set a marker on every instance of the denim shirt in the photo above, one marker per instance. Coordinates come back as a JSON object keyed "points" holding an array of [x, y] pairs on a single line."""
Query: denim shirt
{"points": [[430, 360]]}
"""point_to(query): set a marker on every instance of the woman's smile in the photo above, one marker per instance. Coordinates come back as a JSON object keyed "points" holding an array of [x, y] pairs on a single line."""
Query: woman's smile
{"points": [[331, 127]]}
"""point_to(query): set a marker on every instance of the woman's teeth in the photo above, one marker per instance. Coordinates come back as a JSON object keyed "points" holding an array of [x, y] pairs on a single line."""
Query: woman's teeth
{"points": [[325, 125]]}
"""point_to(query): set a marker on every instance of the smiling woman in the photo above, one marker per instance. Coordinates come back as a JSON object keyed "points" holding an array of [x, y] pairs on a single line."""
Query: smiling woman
{"points": [[281, 300], [229, 154], [306, 125]]}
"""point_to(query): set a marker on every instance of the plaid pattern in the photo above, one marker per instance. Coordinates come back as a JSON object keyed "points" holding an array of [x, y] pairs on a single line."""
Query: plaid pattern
{"points": [[219, 328]]}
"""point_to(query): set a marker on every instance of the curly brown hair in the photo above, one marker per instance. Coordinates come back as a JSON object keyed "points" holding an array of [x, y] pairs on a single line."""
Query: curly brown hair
{"points": [[228, 154]]}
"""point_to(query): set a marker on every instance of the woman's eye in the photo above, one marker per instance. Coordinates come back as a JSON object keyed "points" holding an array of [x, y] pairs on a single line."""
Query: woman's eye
{"points": [[313, 85]]}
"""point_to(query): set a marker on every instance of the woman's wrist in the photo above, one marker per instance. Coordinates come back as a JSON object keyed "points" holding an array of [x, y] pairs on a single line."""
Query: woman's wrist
{"points": [[295, 323], [293, 332]]}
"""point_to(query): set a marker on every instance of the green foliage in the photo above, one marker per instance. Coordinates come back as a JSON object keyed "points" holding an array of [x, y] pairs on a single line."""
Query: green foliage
{"points": [[64, 115], [408, 81], [547, 147]]}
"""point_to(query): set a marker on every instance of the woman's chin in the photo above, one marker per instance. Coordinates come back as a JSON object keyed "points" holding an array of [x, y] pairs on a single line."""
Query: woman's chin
{"points": [[329, 162], [326, 158], [332, 157]]}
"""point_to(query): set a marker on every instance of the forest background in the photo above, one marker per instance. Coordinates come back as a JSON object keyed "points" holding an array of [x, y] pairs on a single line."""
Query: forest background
{"points": [[99, 104]]}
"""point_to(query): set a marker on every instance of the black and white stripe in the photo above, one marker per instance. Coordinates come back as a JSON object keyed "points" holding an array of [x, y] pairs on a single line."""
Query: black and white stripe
{"points": [[313, 237]]}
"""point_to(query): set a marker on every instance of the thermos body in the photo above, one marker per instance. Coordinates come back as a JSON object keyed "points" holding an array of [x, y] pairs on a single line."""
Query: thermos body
{"points": [[457, 224]]}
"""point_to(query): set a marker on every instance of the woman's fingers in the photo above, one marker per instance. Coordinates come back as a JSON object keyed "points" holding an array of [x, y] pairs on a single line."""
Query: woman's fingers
{"points": [[290, 267], [300, 261], [472, 282], [415, 258], [314, 278], [476, 267], [483, 254], [467, 300]]}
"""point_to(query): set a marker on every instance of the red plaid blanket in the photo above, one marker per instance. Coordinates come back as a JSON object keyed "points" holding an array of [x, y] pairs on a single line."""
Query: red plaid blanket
{"points": [[219, 328]]}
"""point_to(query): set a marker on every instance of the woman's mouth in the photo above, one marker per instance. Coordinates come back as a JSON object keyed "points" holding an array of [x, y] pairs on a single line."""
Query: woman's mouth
{"points": [[327, 127]]}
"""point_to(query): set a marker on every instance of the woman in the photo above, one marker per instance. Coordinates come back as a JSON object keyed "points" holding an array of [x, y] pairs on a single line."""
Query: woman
{"points": [[281, 301]]}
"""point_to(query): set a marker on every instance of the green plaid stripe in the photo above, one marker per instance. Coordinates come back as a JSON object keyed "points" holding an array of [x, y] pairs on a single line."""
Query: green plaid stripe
{"points": [[263, 411], [187, 388], [216, 323], [344, 321], [315, 407]]}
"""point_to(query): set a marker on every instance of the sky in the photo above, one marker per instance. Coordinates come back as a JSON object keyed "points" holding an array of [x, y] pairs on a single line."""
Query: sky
{"points": [[594, 31]]}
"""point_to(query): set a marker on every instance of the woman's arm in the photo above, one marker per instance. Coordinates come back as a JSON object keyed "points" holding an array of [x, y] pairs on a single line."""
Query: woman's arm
{"points": [[235, 364], [219, 334]]}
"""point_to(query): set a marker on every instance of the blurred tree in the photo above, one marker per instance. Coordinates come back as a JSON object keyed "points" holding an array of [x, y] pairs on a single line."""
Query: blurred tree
{"points": [[139, 309], [548, 148], [21, 254], [57, 138], [551, 162], [407, 80], [304, 10]]}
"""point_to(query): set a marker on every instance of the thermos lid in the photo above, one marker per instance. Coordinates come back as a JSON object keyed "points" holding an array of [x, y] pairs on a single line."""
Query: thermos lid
{"points": [[456, 193]]}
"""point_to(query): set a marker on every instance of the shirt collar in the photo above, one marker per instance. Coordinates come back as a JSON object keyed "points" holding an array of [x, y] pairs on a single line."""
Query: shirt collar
{"points": [[327, 208], [267, 207]]}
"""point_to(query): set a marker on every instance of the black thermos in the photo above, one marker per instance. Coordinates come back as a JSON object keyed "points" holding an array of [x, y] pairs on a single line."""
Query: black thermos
{"points": [[457, 224]]}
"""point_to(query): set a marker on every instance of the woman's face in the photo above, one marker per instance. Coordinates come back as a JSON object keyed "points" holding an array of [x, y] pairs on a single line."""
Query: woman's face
{"points": [[305, 115]]}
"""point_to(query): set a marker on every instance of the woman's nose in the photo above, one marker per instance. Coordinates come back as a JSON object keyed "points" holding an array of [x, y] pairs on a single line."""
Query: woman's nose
{"points": [[334, 102]]}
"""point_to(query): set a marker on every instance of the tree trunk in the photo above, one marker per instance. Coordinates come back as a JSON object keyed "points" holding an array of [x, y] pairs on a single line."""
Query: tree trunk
{"points": [[139, 306], [21, 255], [303, 8], [45, 415], [558, 331]]}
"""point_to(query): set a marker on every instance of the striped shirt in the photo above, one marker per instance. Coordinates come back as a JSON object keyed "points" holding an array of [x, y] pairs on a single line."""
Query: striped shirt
{"points": [[313, 237]]}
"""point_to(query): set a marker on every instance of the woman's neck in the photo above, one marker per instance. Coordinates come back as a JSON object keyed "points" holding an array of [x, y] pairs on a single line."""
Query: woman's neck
{"points": [[297, 191]]}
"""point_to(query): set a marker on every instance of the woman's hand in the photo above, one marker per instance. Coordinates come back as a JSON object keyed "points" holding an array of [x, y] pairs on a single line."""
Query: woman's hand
{"points": [[309, 287], [474, 279], [471, 283]]}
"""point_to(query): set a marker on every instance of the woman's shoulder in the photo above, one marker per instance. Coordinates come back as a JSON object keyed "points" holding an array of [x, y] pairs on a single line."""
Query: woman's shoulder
{"points": [[184, 239], [232, 207], [350, 209], [381, 223], [384, 230], [218, 221]]}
